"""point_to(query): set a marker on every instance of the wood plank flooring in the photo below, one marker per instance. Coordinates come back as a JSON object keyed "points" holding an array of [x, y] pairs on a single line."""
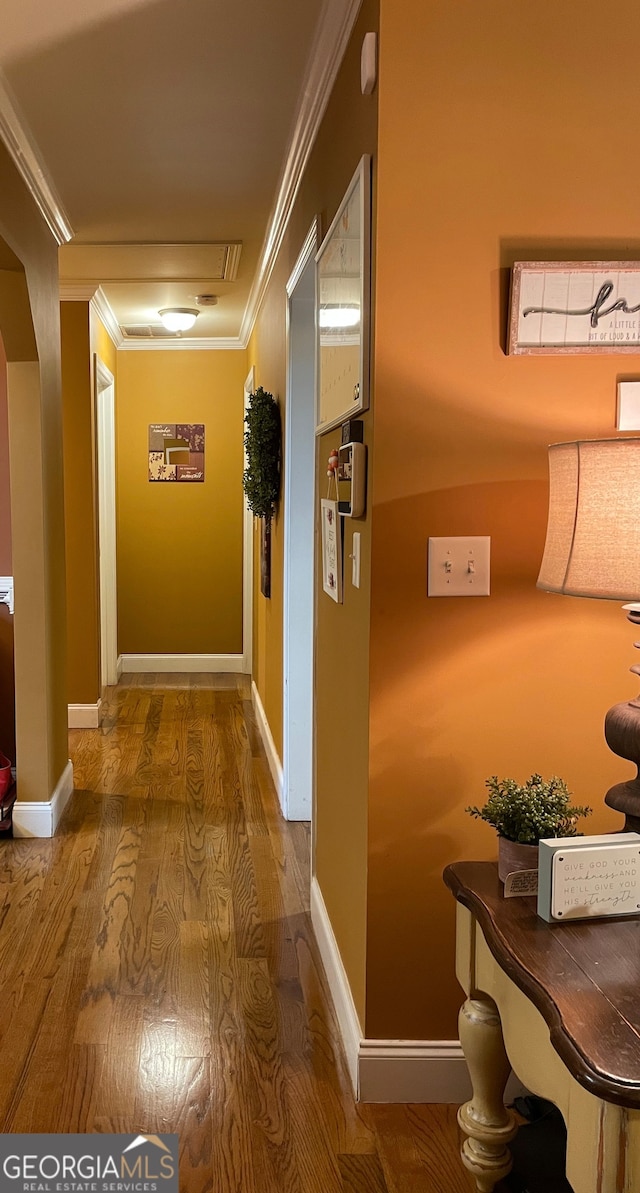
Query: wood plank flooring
{"points": [[158, 971]]}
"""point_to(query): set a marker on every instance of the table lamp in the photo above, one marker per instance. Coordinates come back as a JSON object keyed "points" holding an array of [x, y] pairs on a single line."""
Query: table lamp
{"points": [[592, 549]]}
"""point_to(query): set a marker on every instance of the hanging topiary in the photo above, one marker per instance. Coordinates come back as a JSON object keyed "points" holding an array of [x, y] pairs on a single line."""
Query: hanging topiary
{"points": [[262, 441]]}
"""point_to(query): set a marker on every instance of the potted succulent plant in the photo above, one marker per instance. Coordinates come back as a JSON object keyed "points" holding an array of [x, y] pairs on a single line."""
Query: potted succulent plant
{"points": [[523, 814]]}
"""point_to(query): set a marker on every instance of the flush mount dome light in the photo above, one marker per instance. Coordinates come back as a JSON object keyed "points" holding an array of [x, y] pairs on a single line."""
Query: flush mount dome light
{"points": [[335, 314], [178, 318]]}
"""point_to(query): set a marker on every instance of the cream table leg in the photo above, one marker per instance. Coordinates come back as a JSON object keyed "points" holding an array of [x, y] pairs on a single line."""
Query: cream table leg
{"points": [[486, 1122]]}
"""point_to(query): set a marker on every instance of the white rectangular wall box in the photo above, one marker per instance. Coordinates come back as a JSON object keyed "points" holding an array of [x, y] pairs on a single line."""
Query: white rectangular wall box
{"points": [[628, 412], [355, 560], [459, 566]]}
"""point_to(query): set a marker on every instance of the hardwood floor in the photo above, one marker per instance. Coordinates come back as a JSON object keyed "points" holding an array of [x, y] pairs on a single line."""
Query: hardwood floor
{"points": [[158, 971]]}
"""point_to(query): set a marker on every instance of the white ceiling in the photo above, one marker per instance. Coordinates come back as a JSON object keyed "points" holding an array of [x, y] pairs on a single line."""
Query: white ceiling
{"points": [[167, 122]]}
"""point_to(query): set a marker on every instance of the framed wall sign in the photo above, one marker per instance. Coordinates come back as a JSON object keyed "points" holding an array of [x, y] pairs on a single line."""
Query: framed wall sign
{"points": [[583, 878], [331, 550], [567, 306], [176, 452], [342, 304]]}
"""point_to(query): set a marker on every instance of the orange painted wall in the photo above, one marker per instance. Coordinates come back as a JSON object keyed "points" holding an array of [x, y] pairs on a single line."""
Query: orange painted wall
{"points": [[180, 545], [496, 145], [348, 130], [7, 683]]}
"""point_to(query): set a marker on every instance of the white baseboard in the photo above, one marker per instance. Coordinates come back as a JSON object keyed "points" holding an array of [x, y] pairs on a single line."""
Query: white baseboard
{"points": [[34, 819], [129, 663], [344, 1006], [412, 1071], [275, 765], [119, 667], [386, 1070], [84, 716]]}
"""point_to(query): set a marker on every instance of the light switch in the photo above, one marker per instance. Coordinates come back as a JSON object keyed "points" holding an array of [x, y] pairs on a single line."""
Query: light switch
{"points": [[459, 566], [355, 560]]}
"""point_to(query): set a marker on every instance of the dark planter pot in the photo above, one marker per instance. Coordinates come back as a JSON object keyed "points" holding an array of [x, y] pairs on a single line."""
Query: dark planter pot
{"points": [[512, 856]]}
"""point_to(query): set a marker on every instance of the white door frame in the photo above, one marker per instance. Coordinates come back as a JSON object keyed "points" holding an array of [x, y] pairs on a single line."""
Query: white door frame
{"points": [[299, 549], [247, 555], [104, 382]]}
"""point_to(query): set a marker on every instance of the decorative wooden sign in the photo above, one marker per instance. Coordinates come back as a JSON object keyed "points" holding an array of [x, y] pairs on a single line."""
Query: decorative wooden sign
{"points": [[565, 306], [331, 550], [176, 452], [589, 877]]}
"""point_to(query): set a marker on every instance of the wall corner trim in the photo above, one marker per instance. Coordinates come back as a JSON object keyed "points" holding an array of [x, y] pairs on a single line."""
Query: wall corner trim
{"points": [[344, 1006], [119, 666], [172, 663], [41, 819], [84, 716], [275, 765]]}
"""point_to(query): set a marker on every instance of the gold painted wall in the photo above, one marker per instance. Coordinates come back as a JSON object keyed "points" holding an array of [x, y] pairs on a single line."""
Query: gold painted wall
{"points": [[180, 544], [342, 643], [495, 146], [80, 497], [82, 335]]}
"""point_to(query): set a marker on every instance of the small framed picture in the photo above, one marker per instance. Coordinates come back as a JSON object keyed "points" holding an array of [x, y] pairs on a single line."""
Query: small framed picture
{"points": [[331, 550]]}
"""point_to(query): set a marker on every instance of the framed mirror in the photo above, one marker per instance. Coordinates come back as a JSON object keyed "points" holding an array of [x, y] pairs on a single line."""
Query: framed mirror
{"points": [[343, 287]]}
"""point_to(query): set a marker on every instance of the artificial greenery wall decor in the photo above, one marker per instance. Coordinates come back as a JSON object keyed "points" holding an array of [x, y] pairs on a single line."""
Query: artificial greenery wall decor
{"points": [[262, 441]]}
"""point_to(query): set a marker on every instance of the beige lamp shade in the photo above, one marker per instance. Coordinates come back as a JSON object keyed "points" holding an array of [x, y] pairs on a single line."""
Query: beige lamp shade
{"points": [[593, 534]]}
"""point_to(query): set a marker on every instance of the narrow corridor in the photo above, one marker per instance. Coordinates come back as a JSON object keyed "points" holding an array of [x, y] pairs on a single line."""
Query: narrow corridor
{"points": [[158, 971]]}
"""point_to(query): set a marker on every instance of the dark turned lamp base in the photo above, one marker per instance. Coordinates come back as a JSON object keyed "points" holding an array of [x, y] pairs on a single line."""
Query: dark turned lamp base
{"points": [[622, 731]]}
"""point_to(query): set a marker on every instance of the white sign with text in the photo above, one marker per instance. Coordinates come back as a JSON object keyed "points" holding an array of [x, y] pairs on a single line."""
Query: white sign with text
{"points": [[588, 877]]}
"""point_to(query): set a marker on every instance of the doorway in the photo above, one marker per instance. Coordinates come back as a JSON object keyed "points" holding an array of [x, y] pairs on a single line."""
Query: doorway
{"points": [[299, 538], [106, 426]]}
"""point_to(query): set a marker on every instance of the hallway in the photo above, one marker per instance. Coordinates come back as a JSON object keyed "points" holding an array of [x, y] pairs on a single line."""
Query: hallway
{"points": [[158, 971]]}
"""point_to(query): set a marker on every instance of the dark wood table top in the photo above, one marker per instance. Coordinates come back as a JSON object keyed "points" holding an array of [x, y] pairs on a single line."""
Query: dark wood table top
{"points": [[584, 978]]}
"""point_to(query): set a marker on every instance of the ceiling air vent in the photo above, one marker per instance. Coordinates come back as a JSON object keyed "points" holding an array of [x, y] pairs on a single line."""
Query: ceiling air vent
{"points": [[147, 331]]}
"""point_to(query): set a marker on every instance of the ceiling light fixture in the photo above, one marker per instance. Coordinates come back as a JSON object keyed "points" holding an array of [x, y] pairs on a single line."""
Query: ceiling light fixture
{"points": [[335, 314], [178, 318]]}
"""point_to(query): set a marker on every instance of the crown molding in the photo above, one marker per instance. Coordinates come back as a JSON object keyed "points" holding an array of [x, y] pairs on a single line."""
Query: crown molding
{"points": [[21, 145], [327, 52], [77, 291], [103, 309], [93, 294], [195, 344]]}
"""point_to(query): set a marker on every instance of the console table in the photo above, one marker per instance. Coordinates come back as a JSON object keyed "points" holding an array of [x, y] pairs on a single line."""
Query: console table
{"points": [[561, 1005]]}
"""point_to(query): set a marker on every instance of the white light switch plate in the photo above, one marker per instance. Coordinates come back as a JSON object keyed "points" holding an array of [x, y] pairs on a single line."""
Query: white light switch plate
{"points": [[628, 418], [459, 566], [355, 560]]}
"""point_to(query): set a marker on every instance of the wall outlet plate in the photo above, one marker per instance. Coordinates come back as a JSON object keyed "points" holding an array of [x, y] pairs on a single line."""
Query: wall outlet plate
{"points": [[459, 566]]}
